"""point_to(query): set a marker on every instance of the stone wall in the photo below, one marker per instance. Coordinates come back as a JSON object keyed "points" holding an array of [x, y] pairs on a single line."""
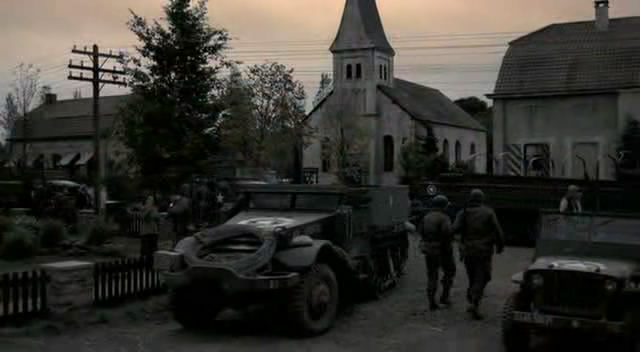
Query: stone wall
{"points": [[70, 286]]}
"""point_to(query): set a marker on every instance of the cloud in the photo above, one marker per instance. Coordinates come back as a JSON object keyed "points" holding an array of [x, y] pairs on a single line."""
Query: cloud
{"points": [[43, 31]]}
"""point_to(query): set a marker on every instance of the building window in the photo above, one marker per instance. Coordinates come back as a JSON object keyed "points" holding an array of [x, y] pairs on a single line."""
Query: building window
{"points": [[445, 149], [380, 71], [349, 71], [386, 77], [458, 152], [472, 149], [358, 71], [325, 151], [388, 153]]}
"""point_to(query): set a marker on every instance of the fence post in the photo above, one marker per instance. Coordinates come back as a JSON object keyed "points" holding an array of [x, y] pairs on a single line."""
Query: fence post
{"points": [[70, 286]]}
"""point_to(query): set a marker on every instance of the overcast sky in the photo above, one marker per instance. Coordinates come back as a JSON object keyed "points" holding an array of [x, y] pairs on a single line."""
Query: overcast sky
{"points": [[42, 32]]}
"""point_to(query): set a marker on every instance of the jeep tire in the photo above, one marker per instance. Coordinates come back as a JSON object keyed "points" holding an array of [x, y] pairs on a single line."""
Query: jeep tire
{"points": [[313, 304], [194, 307], [515, 336]]}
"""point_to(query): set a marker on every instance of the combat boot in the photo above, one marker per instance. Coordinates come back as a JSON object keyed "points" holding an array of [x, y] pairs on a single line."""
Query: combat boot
{"points": [[474, 312], [433, 305], [444, 299]]}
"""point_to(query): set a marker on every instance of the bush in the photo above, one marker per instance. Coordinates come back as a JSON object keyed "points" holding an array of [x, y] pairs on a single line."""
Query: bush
{"points": [[19, 243], [52, 232], [99, 234]]}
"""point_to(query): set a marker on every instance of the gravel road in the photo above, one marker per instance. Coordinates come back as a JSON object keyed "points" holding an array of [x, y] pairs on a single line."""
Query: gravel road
{"points": [[396, 323]]}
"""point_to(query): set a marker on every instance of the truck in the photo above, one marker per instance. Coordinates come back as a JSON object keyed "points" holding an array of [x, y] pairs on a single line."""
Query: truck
{"points": [[584, 278], [302, 248], [519, 200]]}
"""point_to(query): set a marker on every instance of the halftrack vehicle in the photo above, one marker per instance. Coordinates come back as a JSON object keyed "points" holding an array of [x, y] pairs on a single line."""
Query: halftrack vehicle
{"points": [[584, 277], [303, 248]]}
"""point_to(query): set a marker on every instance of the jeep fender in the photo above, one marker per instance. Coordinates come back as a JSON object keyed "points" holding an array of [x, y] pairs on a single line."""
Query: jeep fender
{"points": [[300, 259]]}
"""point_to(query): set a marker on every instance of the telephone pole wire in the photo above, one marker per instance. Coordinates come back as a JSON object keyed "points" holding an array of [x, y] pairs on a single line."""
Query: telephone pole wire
{"points": [[98, 82]]}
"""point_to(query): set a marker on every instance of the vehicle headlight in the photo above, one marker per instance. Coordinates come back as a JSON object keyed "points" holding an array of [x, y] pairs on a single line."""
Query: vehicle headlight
{"points": [[432, 190], [610, 285], [537, 280]]}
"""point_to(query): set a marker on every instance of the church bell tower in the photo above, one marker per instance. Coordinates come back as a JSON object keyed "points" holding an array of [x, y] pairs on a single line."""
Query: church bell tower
{"points": [[362, 55]]}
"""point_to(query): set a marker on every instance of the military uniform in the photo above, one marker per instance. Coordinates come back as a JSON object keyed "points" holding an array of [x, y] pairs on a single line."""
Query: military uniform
{"points": [[481, 233], [436, 245]]}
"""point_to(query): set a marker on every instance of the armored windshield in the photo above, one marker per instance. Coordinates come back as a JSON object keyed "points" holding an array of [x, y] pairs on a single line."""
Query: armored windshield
{"points": [[590, 228]]}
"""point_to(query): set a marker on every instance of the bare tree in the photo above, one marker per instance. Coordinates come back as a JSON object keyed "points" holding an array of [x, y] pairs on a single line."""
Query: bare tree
{"points": [[324, 89], [25, 89], [344, 137], [44, 91], [9, 114]]}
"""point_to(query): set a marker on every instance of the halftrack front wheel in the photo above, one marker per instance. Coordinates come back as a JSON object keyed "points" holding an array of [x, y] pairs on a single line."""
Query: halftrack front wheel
{"points": [[194, 307], [515, 337], [313, 304]]}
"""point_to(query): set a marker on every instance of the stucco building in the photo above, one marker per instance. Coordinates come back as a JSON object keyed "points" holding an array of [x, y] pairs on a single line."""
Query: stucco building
{"points": [[563, 96], [390, 111], [60, 133]]}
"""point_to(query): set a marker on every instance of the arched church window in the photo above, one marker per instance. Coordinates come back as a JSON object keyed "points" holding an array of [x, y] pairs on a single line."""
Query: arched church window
{"points": [[358, 71], [445, 149], [349, 71], [458, 151], [381, 72], [388, 153], [325, 151], [386, 76], [472, 149]]}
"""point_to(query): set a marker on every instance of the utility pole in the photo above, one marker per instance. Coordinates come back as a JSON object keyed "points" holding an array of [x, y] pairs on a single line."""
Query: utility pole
{"points": [[98, 83]]}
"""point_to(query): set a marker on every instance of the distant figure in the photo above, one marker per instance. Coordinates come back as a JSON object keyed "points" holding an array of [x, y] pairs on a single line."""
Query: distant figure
{"points": [[180, 211], [481, 235], [150, 217], [571, 202]]}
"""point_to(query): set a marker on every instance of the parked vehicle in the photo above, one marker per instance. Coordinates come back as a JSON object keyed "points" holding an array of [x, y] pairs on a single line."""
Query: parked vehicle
{"points": [[584, 277], [305, 248]]}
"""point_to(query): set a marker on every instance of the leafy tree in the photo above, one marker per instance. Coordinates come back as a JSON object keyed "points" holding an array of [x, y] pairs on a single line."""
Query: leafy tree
{"points": [[277, 101], [344, 138], [323, 89], [421, 159], [174, 79], [472, 105], [237, 127]]}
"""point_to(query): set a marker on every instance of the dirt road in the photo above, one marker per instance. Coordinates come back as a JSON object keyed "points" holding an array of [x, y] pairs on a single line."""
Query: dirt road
{"points": [[396, 323]]}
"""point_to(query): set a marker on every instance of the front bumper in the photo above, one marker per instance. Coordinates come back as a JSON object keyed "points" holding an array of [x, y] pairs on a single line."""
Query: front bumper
{"points": [[175, 274], [555, 322]]}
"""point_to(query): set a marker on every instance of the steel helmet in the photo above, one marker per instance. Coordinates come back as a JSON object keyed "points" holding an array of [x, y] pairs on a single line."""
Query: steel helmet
{"points": [[440, 201]]}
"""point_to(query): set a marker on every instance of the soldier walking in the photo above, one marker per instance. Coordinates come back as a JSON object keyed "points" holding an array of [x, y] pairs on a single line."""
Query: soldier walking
{"points": [[436, 245], [480, 234]]}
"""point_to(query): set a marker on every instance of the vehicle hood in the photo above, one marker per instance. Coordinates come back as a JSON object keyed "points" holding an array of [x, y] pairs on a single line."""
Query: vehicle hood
{"points": [[611, 267], [271, 219]]}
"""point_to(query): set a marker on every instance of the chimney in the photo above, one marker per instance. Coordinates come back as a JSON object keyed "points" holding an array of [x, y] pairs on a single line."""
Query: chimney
{"points": [[50, 98], [602, 15]]}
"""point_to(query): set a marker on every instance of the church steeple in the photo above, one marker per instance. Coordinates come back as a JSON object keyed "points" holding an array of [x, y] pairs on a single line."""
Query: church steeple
{"points": [[361, 28]]}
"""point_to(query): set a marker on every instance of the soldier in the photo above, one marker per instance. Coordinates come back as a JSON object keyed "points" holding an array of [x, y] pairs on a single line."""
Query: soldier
{"points": [[480, 233], [570, 203], [437, 247]]}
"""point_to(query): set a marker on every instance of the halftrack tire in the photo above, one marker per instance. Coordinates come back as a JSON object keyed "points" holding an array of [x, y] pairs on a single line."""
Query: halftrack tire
{"points": [[193, 308], [313, 305], [515, 337]]}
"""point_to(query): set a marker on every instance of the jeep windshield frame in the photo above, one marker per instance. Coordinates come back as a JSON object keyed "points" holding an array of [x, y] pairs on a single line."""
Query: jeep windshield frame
{"points": [[589, 234], [294, 201]]}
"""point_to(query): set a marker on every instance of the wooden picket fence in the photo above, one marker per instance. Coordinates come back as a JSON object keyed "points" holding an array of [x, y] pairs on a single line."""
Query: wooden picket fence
{"points": [[23, 295], [123, 279]]}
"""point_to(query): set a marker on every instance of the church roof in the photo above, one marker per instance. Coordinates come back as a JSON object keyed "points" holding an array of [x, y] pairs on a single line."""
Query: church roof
{"points": [[423, 104], [361, 28], [429, 105], [574, 57]]}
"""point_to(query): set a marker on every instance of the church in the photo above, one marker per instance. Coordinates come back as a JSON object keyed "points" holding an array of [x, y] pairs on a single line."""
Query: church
{"points": [[388, 111]]}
